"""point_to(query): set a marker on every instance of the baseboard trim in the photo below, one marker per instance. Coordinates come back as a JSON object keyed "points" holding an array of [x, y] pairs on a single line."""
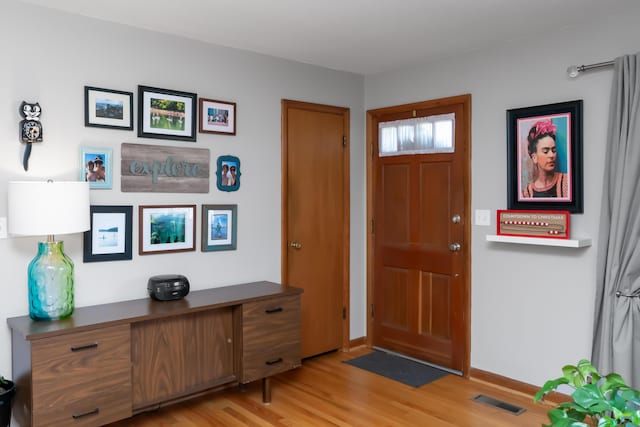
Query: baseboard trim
{"points": [[358, 342], [515, 385]]}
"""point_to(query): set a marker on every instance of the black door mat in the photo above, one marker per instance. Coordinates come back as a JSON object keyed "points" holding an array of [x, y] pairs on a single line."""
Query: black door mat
{"points": [[397, 368]]}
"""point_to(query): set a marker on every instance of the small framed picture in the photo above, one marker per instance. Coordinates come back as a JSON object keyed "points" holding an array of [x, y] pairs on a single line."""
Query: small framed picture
{"points": [[107, 108], [228, 173], [109, 238], [544, 154], [168, 228], [217, 117], [166, 114], [97, 167], [219, 227]]}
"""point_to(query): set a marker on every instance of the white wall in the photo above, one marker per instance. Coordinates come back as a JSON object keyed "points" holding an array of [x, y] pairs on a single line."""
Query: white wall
{"points": [[49, 57], [532, 307]]}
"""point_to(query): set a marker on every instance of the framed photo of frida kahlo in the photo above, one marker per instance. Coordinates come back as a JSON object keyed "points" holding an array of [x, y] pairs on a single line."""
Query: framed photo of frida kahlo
{"points": [[544, 155]]}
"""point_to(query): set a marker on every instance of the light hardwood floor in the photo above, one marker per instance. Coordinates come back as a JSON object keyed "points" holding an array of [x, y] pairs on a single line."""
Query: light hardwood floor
{"points": [[326, 392]]}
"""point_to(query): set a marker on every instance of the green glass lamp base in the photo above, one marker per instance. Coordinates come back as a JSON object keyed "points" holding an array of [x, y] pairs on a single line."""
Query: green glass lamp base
{"points": [[50, 283]]}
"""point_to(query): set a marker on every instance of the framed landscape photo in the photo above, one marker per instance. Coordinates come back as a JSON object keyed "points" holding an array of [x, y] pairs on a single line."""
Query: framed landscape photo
{"points": [[109, 238], [217, 117], [108, 108], [219, 227], [166, 114], [228, 173], [168, 228], [97, 167], [544, 154]]}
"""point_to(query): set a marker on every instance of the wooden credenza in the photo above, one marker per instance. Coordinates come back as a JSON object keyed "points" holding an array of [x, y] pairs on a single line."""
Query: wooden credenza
{"points": [[108, 362]]}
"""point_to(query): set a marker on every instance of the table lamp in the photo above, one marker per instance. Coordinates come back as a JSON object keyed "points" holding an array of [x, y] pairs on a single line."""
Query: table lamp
{"points": [[38, 208]]}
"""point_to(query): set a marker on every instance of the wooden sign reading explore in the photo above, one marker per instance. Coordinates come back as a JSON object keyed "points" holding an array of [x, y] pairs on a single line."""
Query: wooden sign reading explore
{"points": [[155, 168]]}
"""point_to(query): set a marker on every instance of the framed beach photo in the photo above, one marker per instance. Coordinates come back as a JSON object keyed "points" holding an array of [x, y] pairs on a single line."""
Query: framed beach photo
{"points": [[217, 117], [109, 238], [108, 108], [544, 154], [166, 114], [219, 227], [228, 173], [96, 167], [164, 229]]}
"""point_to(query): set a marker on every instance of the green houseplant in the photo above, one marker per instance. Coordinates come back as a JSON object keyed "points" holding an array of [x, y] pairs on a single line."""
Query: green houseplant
{"points": [[601, 401], [7, 392]]}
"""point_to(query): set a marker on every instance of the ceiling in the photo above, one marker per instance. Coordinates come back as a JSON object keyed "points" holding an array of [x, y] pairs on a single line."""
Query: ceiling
{"points": [[360, 36]]}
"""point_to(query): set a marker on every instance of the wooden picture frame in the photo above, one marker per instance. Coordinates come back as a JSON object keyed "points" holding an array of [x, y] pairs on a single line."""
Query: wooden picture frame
{"points": [[219, 227], [544, 155], [228, 173], [108, 108], [96, 167], [217, 117], [166, 229], [109, 238], [166, 114]]}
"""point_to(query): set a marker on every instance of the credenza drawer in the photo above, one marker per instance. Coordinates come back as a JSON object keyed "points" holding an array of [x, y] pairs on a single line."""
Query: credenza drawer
{"points": [[80, 372], [271, 362], [271, 313], [101, 405]]}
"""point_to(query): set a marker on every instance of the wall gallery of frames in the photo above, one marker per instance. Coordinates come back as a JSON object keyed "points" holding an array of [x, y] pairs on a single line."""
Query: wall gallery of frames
{"points": [[162, 114]]}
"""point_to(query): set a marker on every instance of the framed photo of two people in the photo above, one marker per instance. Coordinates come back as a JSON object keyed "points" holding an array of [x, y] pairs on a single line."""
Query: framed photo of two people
{"points": [[544, 154]]}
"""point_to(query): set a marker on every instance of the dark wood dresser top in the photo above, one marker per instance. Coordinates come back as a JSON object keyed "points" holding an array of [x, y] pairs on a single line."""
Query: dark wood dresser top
{"points": [[146, 309]]}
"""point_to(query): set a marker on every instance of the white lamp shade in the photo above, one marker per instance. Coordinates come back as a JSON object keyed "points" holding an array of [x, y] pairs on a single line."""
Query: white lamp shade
{"points": [[48, 208]]}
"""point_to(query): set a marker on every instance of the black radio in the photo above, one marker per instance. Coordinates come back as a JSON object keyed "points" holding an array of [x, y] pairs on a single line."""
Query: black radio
{"points": [[168, 287]]}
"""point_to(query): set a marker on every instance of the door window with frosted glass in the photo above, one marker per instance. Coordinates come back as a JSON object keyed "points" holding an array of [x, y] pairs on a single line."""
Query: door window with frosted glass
{"points": [[422, 135]]}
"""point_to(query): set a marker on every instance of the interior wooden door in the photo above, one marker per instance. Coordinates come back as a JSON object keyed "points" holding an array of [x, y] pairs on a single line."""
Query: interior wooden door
{"points": [[316, 220], [421, 203]]}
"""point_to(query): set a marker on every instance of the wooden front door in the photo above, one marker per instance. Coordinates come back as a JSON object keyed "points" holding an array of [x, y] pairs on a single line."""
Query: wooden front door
{"points": [[315, 234], [421, 241]]}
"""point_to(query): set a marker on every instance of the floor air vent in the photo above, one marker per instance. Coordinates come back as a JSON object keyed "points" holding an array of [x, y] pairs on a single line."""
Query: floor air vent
{"points": [[488, 400]]}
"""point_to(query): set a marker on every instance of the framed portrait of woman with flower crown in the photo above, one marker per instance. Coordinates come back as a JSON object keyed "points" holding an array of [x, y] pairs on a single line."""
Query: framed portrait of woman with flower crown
{"points": [[544, 154]]}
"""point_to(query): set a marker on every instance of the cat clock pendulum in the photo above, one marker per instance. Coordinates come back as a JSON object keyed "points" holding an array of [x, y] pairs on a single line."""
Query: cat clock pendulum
{"points": [[30, 128]]}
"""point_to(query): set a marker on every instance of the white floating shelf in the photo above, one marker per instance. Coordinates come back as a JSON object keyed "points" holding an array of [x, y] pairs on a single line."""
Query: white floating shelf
{"points": [[541, 241]]}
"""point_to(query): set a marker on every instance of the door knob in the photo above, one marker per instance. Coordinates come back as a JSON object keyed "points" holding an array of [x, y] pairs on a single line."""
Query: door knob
{"points": [[454, 247], [295, 245], [455, 219]]}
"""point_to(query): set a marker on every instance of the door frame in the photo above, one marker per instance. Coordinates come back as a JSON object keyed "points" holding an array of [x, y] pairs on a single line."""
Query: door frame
{"points": [[345, 112], [371, 132]]}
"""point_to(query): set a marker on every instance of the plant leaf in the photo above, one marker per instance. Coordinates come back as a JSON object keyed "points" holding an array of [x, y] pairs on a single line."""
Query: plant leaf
{"points": [[549, 386]]}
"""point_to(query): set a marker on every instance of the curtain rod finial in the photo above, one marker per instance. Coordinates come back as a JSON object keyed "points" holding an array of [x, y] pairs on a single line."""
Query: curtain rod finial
{"points": [[573, 71]]}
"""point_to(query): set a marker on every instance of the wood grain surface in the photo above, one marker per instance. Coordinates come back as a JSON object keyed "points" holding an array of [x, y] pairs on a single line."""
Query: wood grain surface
{"points": [[162, 169]]}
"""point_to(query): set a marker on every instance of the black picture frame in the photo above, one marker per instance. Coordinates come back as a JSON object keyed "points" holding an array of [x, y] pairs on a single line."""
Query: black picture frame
{"points": [[526, 170], [108, 108], [167, 114], [101, 241], [219, 228], [232, 181]]}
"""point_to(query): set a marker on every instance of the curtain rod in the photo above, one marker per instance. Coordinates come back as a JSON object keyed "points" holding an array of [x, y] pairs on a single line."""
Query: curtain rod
{"points": [[574, 70]]}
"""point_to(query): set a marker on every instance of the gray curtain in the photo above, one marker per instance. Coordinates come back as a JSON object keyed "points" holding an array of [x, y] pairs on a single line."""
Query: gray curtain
{"points": [[616, 342]]}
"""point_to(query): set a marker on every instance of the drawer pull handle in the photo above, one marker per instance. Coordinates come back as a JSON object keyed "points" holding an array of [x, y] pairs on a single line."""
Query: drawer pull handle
{"points": [[75, 415], [273, 362], [274, 310], [85, 347]]}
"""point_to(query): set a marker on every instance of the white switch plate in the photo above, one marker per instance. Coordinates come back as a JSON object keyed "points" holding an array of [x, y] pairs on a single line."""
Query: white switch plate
{"points": [[3, 227], [483, 217]]}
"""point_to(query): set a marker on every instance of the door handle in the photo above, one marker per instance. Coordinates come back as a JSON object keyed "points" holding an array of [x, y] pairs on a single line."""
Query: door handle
{"points": [[454, 247], [295, 245]]}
